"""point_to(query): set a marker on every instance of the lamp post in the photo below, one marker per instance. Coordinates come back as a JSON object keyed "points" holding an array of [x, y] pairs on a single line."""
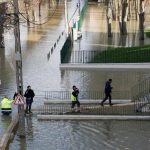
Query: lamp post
{"points": [[19, 79]]}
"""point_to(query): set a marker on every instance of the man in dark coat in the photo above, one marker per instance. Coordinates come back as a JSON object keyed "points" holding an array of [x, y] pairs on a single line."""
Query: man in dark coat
{"points": [[29, 94], [74, 97], [108, 90]]}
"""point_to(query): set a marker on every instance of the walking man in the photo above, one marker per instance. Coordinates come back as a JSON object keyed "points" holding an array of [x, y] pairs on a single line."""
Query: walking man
{"points": [[29, 94], [108, 90], [74, 97]]}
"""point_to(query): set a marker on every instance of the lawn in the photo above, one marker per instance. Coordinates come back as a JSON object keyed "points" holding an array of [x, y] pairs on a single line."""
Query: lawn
{"points": [[124, 55]]}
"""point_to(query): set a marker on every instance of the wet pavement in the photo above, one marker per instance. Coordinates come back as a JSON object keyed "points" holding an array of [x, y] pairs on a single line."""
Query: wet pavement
{"points": [[84, 135], [41, 63]]}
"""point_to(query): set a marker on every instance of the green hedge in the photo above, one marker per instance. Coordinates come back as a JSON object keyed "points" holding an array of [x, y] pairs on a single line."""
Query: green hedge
{"points": [[147, 32], [66, 49], [124, 55]]}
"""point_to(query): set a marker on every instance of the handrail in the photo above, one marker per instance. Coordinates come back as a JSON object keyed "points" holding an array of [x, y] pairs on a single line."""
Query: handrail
{"points": [[140, 95], [91, 95]]}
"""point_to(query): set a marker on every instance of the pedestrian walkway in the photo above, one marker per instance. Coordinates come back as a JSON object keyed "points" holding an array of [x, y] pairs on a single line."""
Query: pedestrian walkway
{"points": [[108, 66]]}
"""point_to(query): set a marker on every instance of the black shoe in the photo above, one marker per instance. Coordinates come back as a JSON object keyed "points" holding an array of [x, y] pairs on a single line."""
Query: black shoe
{"points": [[30, 112], [110, 104], [101, 104]]}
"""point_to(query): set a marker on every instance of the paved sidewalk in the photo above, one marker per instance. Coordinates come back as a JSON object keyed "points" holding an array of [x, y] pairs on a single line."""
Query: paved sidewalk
{"points": [[112, 66]]}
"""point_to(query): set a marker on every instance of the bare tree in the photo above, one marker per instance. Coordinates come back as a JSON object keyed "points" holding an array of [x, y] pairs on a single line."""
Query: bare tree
{"points": [[123, 15], [2, 20], [27, 6], [142, 5], [141, 19], [109, 17]]}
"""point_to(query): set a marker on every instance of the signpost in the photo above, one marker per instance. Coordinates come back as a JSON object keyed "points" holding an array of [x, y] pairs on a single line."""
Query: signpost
{"points": [[19, 79], [19, 100]]}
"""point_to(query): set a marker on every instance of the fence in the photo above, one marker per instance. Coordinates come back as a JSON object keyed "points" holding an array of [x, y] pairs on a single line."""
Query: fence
{"points": [[141, 96], [140, 104], [88, 95], [89, 109]]}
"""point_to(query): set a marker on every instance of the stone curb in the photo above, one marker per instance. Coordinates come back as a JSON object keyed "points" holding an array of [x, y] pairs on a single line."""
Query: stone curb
{"points": [[85, 101], [91, 117]]}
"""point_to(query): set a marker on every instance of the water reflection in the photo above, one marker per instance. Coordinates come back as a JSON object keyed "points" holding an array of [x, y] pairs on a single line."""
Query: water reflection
{"points": [[45, 75], [85, 135], [94, 79], [5, 121], [23, 142], [29, 126]]}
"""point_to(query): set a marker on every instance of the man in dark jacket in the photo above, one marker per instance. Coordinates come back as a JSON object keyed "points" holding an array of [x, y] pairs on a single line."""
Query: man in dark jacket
{"points": [[74, 97], [108, 90], [29, 94]]}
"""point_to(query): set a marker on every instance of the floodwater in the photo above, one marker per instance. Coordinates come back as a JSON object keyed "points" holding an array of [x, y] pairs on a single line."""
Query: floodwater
{"points": [[41, 60], [84, 135]]}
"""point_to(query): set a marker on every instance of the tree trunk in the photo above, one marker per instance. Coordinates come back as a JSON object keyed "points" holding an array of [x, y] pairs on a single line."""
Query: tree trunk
{"points": [[27, 5], [1, 37], [129, 8], [109, 21], [49, 4], [109, 17], [2, 11], [120, 16], [40, 9], [141, 19], [137, 4], [124, 17]]}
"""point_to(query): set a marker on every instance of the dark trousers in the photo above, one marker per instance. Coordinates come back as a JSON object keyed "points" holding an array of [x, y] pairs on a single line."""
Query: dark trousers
{"points": [[6, 111], [107, 96], [74, 103], [28, 106]]}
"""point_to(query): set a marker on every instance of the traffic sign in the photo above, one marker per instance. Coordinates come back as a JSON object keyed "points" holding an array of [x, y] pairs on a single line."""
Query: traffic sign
{"points": [[19, 100]]}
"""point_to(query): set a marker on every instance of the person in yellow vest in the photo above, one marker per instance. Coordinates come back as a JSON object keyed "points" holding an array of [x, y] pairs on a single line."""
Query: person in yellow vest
{"points": [[6, 106], [74, 98]]}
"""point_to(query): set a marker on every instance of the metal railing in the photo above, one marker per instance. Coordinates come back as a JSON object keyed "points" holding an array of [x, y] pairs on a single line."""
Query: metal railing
{"points": [[88, 95], [79, 57], [141, 96], [88, 109], [140, 105]]}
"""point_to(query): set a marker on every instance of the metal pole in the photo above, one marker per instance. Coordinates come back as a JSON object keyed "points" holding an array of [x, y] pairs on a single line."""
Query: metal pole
{"points": [[19, 80]]}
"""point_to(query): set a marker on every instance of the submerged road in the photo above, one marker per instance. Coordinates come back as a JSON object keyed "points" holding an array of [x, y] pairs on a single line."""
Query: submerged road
{"points": [[41, 63], [41, 45]]}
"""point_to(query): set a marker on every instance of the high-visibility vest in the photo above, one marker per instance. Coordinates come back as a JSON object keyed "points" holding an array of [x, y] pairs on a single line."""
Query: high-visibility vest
{"points": [[73, 98], [6, 103]]}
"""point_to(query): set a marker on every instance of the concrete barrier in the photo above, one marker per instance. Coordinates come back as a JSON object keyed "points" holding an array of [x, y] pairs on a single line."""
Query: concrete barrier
{"points": [[85, 101], [91, 117], [108, 66], [4, 142]]}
